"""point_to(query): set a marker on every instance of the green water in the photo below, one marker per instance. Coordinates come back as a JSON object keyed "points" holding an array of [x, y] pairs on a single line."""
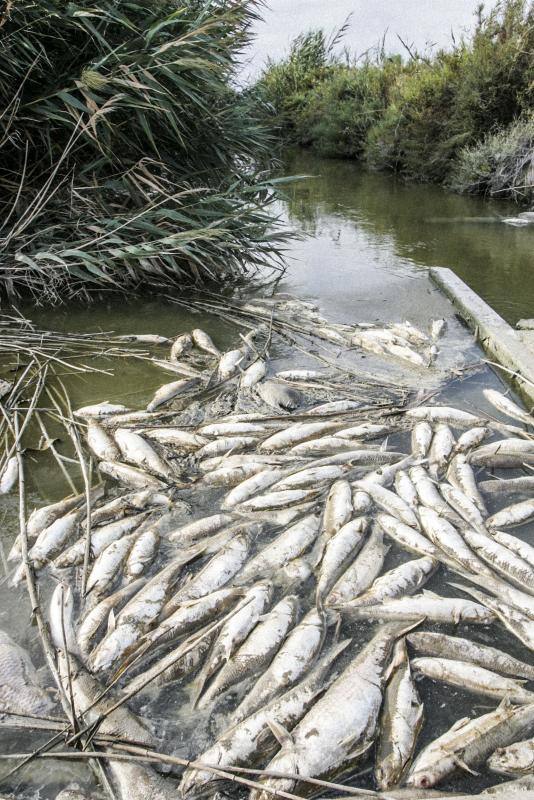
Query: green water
{"points": [[370, 232], [366, 246]]}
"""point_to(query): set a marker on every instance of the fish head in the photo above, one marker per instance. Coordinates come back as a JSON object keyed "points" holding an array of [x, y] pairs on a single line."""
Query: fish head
{"points": [[512, 760]]}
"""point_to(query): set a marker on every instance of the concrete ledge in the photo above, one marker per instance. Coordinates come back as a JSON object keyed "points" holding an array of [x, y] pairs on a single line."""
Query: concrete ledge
{"points": [[500, 341]]}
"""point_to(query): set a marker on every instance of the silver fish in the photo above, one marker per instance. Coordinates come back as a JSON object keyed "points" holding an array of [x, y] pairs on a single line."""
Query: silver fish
{"points": [[439, 644], [338, 551], [288, 545], [100, 442], [470, 742], [20, 692], [142, 553], [291, 662], [362, 572], [169, 391], [408, 538], [204, 342], [100, 539], [515, 759], [403, 580], [517, 546], [98, 614], [132, 477], [516, 514], [401, 721], [181, 345], [256, 651], [442, 446], [425, 605], [341, 726], [241, 743], [472, 678], [507, 406], [138, 451]]}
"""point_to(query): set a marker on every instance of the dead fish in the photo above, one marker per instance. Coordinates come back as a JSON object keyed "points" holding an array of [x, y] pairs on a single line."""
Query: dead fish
{"points": [[141, 554], [501, 559], [217, 572], [181, 441], [169, 391], [276, 395], [253, 374], [98, 614], [427, 605], [400, 724], [461, 475], [291, 662], [362, 572], [187, 534], [191, 615], [52, 539], [421, 439], [517, 546], [179, 662], [463, 505], [341, 726], [257, 650], [235, 630], [472, 678], [60, 618], [144, 338], [20, 692], [229, 364], [442, 446], [471, 439], [10, 475], [439, 644], [100, 442], [445, 414], [429, 496], [337, 509], [336, 407], [516, 514], [181, 345], [138, 451], [519, 624], [506, 453], [507, 406], [252, 486], [108, 564], [521, 486], [204, 342], [103, 409], [338, 551], [100, 539], [242, 743], [515, 759], [139, 613], [288, 545], [408, 538], [226, 444], [405, 488], [131, 476], [447, 538], [390, 502], [469, 742], [294, 434], [403, 580], [275, 500]]}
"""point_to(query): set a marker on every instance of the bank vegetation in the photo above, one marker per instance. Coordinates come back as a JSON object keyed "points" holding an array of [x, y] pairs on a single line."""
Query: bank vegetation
{"points": [[462, 116], [127, 159]]}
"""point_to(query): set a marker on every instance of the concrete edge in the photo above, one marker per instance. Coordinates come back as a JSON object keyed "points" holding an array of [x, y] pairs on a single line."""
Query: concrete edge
{"points": [[499, 340]]}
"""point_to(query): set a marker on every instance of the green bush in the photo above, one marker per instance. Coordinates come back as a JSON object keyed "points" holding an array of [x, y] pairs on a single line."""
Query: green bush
{"points": [[414, 117], [126, 158]]}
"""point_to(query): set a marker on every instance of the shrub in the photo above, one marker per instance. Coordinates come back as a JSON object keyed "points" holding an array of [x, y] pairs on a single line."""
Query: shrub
{"points": [[501, 165], [126, 159]]}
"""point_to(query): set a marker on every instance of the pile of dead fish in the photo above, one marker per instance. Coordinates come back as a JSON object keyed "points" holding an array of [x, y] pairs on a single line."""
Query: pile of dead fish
{"points": [[242, 559]]}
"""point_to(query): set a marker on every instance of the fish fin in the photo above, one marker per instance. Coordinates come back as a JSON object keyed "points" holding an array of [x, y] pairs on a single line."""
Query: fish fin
{"points": [[433, 595], [506, 702], [384, 445], [360, 751], [281, 734], [112, 624], [462, 765]]}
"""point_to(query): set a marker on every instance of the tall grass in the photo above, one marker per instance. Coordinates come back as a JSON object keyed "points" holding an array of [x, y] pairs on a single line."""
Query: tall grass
{"points": [[416, 116], [127, 160]]}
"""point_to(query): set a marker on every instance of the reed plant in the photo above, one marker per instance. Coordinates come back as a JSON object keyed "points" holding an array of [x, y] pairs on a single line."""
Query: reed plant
{"points": [[128, 162]]}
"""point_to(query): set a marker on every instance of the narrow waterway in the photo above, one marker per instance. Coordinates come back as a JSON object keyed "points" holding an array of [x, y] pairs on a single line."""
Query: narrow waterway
{"points": [[366, 245]]}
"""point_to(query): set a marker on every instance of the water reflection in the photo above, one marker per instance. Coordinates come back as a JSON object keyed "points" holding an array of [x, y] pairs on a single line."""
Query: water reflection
{"points": [[379, 223]]}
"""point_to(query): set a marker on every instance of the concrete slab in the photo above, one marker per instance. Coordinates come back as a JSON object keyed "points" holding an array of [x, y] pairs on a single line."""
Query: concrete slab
{"points": [[527, 337], [501, 342]]}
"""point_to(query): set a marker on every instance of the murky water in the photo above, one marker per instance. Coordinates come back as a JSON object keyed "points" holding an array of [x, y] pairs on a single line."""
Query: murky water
{"points": [[368, 244]]}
